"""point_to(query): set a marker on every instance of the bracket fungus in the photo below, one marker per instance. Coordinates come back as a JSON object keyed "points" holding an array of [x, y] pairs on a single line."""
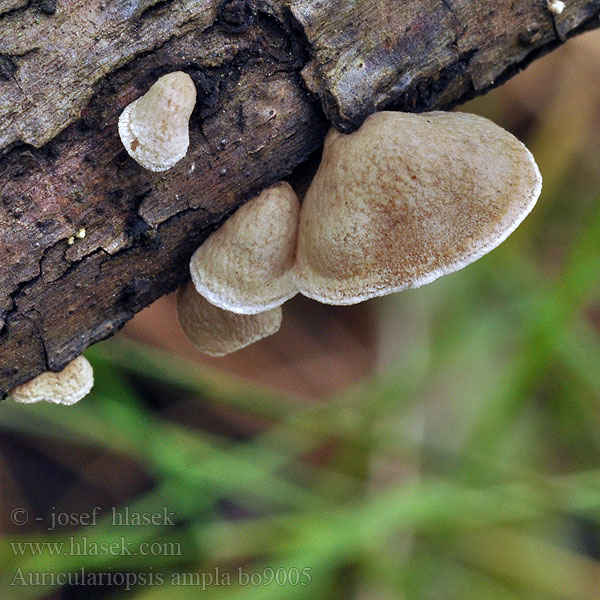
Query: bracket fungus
{"points": [[218, 332], [408, 198], [246, 265], [63, 387], [155, 128]]}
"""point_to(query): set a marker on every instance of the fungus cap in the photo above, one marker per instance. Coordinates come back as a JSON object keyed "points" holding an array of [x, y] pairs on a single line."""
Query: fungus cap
{"points": [[218, 332], [408, 198], [64, 387], [154, 128], [246, 265]]}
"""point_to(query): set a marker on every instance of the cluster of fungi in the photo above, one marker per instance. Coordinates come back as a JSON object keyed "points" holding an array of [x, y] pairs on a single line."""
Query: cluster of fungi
{"points": [[403, 200]]}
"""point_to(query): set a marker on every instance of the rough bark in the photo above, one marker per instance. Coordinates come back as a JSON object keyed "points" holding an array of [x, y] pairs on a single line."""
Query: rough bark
{"points": [[271, 77]]}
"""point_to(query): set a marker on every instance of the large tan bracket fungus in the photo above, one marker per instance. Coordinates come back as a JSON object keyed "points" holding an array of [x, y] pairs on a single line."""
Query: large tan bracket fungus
{"points": [[64, 387], [154, 128], [408, 198], [217, 332], [246, 265]]}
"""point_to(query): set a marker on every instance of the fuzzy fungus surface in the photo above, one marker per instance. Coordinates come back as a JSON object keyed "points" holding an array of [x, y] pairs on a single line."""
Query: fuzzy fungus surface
{"points": [[246, 265], [155, 128], [408, 198], [64, 387], [218, 332]]}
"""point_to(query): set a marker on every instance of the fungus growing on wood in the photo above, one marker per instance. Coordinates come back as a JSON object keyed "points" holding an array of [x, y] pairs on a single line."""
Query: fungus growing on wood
{"points": [[154, 128], [246, 265], [408, 198], [64, 387], [218, 332]]}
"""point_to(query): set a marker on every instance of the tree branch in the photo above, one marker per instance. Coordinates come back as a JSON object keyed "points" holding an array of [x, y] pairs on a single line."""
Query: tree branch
{"points": [[270, 77]]}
